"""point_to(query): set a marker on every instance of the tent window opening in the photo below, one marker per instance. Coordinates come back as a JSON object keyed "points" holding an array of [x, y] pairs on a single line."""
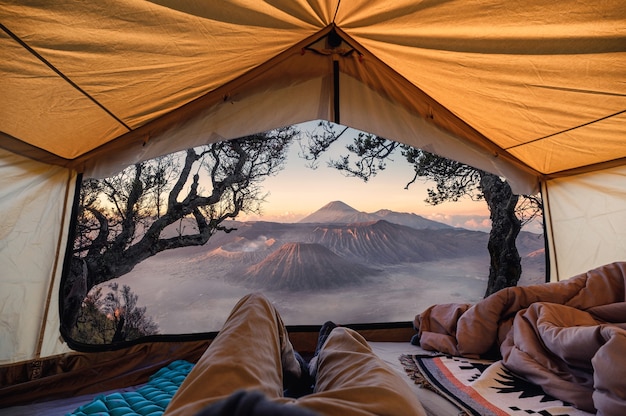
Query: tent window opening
{"points": [[169, 245]]}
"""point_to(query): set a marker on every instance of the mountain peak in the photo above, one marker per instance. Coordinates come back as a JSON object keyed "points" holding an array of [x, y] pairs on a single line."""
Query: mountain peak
{"points": [[410, 220], [338, 206], [337, 212]]}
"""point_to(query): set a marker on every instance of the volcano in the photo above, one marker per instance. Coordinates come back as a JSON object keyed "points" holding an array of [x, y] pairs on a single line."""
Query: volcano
{"points": [[337, 212], [305, 266]]}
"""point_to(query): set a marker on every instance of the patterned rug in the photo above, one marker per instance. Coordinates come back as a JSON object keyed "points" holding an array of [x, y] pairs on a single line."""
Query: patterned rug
{"points": [[482, 388]]}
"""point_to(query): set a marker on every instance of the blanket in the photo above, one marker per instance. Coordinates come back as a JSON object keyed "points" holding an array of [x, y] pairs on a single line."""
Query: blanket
{"points": [[569, 337]]}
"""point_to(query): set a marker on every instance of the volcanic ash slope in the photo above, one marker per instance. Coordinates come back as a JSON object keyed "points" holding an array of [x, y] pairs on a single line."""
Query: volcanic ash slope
{"points": [[305, 266]]}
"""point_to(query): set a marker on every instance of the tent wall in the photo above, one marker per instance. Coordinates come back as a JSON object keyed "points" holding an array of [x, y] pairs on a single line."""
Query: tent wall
{"points": [[586, 221], [33, 233]]}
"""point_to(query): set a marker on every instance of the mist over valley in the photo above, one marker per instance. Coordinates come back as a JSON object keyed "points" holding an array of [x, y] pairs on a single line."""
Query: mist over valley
{"points": [[336, 264]]}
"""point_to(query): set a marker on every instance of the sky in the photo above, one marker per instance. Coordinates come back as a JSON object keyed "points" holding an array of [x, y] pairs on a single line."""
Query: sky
{"points": [[299, 190]]}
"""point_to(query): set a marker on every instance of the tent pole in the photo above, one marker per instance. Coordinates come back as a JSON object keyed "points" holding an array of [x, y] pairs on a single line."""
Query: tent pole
{"points": [[549, 234], [336, 90]]}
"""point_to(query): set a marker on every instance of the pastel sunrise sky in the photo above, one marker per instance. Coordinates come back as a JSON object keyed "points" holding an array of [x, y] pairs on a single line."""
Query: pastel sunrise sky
{"points": [[299, 190]]}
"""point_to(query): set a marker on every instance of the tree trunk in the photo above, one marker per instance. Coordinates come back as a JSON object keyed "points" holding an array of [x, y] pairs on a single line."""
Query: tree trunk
{"points": [[505, 268]]}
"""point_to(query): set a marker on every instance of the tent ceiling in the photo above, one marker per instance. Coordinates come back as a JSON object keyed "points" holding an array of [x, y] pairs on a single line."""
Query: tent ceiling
{"points": [[539, 84]]}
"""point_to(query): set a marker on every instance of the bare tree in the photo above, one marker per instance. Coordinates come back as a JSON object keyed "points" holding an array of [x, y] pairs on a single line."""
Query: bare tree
{"points": [[125, 219]]}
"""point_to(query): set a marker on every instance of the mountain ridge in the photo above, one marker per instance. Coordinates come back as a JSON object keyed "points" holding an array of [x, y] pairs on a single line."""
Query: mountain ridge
{"points": [[384, 243], [338, 212], [280, 256]]}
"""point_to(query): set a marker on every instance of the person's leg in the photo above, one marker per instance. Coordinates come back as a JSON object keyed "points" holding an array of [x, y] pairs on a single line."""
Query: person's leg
{"points": [[352, 380], [250, 353]]}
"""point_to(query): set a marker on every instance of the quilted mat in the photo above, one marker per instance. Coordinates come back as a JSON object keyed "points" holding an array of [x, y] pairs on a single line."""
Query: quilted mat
{"points": [[149, 400]]}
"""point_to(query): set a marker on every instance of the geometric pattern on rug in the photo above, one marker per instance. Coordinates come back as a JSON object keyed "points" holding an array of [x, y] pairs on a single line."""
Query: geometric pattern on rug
{"points": [[483, 388]]}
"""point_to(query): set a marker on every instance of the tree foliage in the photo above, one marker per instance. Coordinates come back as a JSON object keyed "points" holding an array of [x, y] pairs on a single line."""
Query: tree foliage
{"points": [[174, 201], [112, 318], [368, 155]]}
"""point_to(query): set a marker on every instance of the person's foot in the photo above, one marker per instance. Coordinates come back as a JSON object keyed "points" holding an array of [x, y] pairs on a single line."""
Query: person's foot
{"points": [[298, 385], [325, 331]]}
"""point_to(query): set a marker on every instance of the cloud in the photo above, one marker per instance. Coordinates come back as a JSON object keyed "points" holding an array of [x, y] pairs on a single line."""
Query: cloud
{"points": [[470, 222], [259, 243], [477, 223]]}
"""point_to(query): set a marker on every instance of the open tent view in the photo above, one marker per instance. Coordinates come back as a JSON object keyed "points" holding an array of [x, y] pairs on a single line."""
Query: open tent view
{"points": [[532, 92], [142, 267]]}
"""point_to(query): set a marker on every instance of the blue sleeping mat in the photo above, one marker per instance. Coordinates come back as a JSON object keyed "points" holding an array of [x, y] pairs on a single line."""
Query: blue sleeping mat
{"points": [[149, 400]]}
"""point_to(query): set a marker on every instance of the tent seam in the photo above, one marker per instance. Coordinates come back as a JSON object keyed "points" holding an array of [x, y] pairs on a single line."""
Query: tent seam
{"points": [[566, 130], [42, 328], [336, 11], [62, 75]]}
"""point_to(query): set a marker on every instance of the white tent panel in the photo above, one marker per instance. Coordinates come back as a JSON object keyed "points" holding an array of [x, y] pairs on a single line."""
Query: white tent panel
{"points": [[236, 117], [361, 108], [588, 221], [368, 111], [34, 214]]}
